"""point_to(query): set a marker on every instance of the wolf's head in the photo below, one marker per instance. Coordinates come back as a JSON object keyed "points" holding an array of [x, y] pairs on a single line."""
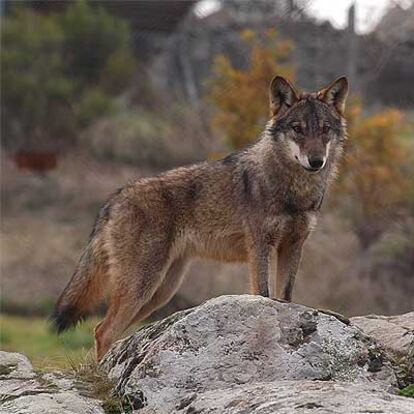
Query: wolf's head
{"points": [[309, 125]]}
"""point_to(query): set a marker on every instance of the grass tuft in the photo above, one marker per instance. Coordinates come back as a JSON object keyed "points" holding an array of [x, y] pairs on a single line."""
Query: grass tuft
{"points": [[93, 382], [407, 391]]}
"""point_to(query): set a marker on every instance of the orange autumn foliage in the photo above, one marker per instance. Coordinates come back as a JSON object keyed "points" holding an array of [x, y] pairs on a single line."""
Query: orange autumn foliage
{"points": [[375, 177], [240, 95]]}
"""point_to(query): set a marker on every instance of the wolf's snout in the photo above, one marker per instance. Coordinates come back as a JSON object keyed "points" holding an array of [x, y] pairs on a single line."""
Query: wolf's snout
{"points": [[316, 163]]}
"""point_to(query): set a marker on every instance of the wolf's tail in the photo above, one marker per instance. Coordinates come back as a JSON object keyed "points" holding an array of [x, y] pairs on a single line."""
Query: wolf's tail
{"points": [[85, 290]]}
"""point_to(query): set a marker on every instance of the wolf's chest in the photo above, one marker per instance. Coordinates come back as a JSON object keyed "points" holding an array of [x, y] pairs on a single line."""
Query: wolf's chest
{"points": [[300, 198], [295, 203]]}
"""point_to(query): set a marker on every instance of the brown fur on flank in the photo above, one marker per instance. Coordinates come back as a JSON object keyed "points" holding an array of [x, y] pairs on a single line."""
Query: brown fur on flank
{"points": [[256, 205]]}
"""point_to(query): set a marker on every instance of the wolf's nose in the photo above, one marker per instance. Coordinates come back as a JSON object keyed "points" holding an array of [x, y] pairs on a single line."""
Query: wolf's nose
{"points": [[315, 162]]}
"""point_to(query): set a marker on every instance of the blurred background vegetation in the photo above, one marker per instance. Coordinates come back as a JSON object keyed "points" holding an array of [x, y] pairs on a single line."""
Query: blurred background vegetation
{"points": [[98, 93]]}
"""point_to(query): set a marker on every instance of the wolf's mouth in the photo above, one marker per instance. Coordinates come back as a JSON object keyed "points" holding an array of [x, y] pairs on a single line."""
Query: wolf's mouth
{"points": [[308, 169], [313, 170]]}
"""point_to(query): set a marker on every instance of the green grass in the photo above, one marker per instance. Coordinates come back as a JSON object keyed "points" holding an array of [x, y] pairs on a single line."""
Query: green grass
{"points": [[407, 391], [46, 350], [72, 352]]}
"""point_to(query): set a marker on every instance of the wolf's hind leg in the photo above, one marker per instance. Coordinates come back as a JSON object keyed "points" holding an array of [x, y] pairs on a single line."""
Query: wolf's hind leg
{"points": [[123, 306], [135, 282], [171, 283]]}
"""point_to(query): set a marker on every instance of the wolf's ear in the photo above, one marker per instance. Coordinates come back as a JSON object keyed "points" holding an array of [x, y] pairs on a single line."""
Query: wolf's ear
{"points": [[282, 95], [336, 93]]}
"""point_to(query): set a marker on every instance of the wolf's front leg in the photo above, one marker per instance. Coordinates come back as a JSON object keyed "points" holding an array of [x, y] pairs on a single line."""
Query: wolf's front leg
{"points": [[288, 260], [259, 258], [289, 253]]}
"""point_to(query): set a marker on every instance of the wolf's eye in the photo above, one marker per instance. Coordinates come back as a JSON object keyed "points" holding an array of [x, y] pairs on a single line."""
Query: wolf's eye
{"points": [[297, 128], [326, 129]]}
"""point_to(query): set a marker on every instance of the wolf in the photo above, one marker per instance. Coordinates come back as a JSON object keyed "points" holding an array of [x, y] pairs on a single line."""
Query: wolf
{"points": [[257, 205]]}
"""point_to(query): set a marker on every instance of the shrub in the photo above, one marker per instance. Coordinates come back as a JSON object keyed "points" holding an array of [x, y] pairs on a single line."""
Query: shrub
{"points": [[145, 138], [36, 92], [132, 137], [376, 179], [117, 72], [93, 104], [240, 95], [92, 39], [60, 72]]}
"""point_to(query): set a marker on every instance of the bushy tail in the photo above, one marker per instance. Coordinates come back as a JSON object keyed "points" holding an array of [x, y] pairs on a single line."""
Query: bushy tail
{"points": [[84, 292]]}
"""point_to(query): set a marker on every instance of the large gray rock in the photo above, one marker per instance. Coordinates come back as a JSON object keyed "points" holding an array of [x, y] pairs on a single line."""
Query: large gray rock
{"points": [[23, 391], [235, 354], [293, 397], [51, 403], [394, 333], [14, 365]]}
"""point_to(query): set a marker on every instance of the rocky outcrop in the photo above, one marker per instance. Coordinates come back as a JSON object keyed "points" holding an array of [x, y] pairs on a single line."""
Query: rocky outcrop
{"points": [[232, 355], [23, 391], [248, 354], [396, 336], [292, 397]]}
